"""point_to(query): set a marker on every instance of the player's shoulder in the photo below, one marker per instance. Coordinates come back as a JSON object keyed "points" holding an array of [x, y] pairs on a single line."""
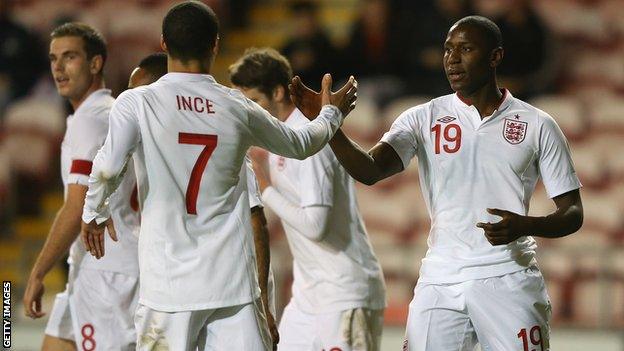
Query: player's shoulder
{"points": [[531, 113], [444, 101], [95, 108], [418, 114]]}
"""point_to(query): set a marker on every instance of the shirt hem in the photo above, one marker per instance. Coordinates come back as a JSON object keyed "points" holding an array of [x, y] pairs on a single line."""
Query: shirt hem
{"points": [[460, 278], [197, 306]]}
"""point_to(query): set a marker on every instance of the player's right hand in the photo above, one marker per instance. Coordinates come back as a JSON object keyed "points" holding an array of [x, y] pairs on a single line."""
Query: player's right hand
{"points": [[92, 235], [32, 298], [344, 99]]}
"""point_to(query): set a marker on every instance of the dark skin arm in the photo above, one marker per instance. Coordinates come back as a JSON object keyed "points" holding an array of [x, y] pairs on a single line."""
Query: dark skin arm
{"points": [[378, 163], [263, 260], [566, 220]]}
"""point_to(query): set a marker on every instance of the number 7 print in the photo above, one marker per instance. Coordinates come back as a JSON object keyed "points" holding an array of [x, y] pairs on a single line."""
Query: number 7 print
{"points": [[192, 189]]}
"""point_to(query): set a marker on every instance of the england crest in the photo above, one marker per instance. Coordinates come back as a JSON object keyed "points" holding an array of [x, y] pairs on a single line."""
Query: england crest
{"points": [[514, 131]]}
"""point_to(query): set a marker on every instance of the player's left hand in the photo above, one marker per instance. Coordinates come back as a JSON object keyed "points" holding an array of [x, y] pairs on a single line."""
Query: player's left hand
{"points": [[310, 102], [92, 235], [510, 228], [259, 161]]}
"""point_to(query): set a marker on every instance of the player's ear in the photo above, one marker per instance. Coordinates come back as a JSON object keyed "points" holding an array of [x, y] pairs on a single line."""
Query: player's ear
{"points": [[496, 57], [215, 49], [163, 45], [279, 93], [96, 65]]}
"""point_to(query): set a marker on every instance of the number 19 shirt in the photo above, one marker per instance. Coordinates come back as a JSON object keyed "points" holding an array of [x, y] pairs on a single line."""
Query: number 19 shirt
{"points": [[468, 164]]}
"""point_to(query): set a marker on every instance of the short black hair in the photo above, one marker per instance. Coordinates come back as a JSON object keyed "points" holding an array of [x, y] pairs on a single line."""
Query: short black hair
{"points": [[94, 43], [486, 26], [155, 64], [190, 30], [263, 69]]}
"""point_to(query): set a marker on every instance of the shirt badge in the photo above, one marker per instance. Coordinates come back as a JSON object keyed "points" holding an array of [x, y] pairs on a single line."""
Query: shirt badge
{"points": [[514, 130], [446, 119]]}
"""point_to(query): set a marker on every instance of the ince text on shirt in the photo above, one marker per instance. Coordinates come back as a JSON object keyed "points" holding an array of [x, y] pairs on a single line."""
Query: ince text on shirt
{"points": [[194, 104]]}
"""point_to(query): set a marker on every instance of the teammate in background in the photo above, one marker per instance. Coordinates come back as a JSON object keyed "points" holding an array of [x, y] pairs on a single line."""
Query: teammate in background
{"points": [[150, 69], [97, 308], [480, 153], [198, 282], [336, 275]]}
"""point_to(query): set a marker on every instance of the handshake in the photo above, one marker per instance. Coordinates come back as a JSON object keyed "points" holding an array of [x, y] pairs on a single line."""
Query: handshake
{"points": [[309, 102]]}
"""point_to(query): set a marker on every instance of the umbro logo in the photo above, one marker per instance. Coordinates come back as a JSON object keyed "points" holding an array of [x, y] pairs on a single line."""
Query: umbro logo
{"points": [[446, 119]]}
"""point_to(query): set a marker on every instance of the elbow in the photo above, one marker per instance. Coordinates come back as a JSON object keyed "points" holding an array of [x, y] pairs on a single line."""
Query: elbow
{"points": [[316, 235]]}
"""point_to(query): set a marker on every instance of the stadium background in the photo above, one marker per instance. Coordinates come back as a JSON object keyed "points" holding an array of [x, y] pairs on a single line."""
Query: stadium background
{"points": [[565, 56]]}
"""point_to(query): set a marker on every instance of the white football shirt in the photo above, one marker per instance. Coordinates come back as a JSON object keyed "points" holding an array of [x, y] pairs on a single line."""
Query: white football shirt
{"points": [[341, 271], [467, 165], [85, 134], [195, 248]]}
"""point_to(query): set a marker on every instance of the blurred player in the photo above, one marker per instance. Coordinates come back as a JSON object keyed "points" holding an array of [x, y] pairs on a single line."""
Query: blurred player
{"points": [[97, 308], [338, 288], [480, 153], [198, 282], [150, 69]]}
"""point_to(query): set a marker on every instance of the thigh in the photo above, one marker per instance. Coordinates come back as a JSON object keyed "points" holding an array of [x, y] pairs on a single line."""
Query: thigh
{"points": [[236, 328], [160, 331], [102, 306], [52, 343], [437, 319], [59, 326], [511, 312], [357, 329], [296, 329]]}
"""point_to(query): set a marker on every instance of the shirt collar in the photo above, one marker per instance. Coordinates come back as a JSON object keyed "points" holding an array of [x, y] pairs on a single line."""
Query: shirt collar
{"points": [[504, 102], [187, 77]]}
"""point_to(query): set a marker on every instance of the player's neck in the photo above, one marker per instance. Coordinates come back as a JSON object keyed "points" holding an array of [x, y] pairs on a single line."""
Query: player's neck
{"points": [[96, 84], [190, 66], [284, 111], [485, 99]]}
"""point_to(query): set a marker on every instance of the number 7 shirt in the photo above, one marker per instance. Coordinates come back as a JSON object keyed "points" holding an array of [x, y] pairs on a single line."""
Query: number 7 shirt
{"points": [[196, 250], [468, 164]]}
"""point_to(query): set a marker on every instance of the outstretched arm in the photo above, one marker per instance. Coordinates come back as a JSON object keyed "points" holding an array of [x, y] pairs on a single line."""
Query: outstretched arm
{"points": [[378, 163], [109, 167], [270, 134], [566, 220]]}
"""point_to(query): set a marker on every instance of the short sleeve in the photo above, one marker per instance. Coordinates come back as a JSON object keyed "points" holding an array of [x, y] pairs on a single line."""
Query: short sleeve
{"points": [[316, 179], [555, 161], [88, 132], [402, 135], [252, 184]]}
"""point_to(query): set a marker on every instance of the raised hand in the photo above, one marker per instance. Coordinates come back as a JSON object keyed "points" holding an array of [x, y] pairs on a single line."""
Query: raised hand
{"points": [[510, 228], [309, 102], [93, 236]]}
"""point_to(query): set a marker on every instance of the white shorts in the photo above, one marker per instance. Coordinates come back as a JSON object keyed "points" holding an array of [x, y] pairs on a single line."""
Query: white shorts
{"points": [[509, 312], [229, 328], [351, 330], [96, 310]]}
